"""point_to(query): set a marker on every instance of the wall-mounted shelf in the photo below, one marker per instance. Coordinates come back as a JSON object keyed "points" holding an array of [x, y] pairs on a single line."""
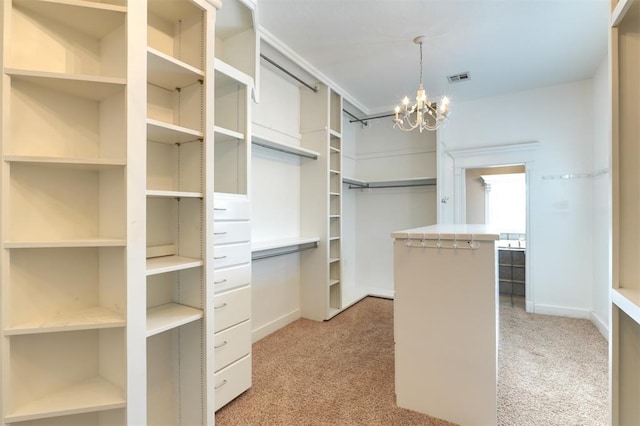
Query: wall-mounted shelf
{"points": [[89, 242], [627, 299], [266, 249], [393, 183], [283, 147], [159, 131]]}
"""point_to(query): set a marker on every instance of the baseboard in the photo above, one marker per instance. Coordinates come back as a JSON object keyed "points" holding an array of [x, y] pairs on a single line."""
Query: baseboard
{"points": [[277, 324], [561, 311], [600, 325]]}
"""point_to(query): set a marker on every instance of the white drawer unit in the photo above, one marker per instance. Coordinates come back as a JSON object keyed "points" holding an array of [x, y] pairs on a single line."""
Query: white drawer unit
{"points": [[232, 254], [232, 381], [232, 308], [231, 208], [228, 278], [231, 232], [232, 344]]}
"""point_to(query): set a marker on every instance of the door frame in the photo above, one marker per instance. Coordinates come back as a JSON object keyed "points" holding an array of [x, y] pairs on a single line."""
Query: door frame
{"points": [[499, 155]]}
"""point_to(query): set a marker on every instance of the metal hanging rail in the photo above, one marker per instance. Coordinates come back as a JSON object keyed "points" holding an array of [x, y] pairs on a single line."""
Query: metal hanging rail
{"points": [[290, 74], [400, 183], [314, 88], [280, 251]]}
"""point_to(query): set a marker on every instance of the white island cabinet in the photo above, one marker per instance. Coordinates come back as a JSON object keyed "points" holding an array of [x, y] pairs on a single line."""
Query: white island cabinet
{"points": [[446, 322]]}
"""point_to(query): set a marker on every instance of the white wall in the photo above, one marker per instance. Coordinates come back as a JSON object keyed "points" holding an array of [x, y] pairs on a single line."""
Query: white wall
{"points": [[383, 153], [560, 119], [275, 203], [601, 198]]}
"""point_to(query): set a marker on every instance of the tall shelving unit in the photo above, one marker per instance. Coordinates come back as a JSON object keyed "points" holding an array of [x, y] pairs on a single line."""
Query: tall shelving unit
{"points": [[89, 209], [66, 146], [179, 193], [235, 69], [624, 340], [321, 202]]}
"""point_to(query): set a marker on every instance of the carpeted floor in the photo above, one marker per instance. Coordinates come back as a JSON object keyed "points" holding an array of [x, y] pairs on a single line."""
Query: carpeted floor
{"points": [[340, 372]]}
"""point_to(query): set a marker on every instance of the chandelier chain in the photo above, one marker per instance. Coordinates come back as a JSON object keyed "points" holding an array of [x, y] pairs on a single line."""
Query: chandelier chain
{"points": [[421, 67]]}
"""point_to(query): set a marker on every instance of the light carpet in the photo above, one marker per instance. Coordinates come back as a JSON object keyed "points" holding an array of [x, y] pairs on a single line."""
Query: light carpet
{"points": [[553, 371]]}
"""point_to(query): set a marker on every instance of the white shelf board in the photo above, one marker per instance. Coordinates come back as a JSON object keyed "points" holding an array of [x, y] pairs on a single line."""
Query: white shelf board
{"points": [[286, 148], [91, 87], [334, 259], [157, 193], [67, 162], [170, 73], [89, 17], [335, 194], [284, 243], [160, 265], [88, 242], [159, 131], [229, 75], [335, 134], [168, 316], [333, 282], [86, 319], [227, 135], [334, 149], [627, 299], [95, 394], [619, 12], [335, 172]]}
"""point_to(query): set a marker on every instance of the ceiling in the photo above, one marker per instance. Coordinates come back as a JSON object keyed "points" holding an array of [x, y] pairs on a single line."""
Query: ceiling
{"points": [[366, 46]]}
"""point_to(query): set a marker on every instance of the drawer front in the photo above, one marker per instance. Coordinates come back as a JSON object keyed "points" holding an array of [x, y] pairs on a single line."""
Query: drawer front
{"points": [[231, 209], [232, 381], [231, 308], [232, 344], [231, 232], [230, 255], [228, 278]]}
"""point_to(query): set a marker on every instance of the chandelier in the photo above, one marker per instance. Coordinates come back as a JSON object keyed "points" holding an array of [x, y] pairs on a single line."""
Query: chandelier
{"points": [[424, 114]]}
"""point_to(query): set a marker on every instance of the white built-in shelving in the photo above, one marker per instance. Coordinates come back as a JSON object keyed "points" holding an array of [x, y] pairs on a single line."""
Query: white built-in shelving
{"points": [[624, 336], [236, 51], [179, 165], [65, 142], [321, 202]]}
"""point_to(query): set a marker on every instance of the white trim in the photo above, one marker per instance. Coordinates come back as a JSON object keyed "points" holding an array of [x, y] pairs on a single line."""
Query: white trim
{"points": [[600, 325], [275, 325], [561, 311], [394, 153], [494, 150]]}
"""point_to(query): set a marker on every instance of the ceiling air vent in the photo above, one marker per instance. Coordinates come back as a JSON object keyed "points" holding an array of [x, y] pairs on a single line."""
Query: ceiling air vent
{"points": [[457, 78]]}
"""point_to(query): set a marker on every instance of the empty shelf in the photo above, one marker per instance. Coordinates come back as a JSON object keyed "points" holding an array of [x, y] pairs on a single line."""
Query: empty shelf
{"points": [[86, 319], [95, 394], [160, 265], [168, 316]]}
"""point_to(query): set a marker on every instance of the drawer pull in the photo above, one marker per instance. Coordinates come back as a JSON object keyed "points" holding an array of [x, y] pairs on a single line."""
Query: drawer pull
{"points": [[219, 257], [220, 282], [224, 382], [220, 233], [220, 306], [221, 345]]}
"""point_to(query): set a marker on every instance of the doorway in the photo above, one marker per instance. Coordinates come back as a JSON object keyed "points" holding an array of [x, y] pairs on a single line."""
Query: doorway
{"points": [[496, 196], [488, 157]]}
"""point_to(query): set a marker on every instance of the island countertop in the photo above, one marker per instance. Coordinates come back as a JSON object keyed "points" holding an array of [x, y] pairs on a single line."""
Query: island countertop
{"points": [[450, 232]]}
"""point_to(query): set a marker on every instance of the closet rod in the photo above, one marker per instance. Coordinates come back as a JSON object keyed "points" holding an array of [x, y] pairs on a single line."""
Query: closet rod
{"points": [[280, 253], [363, 120], [296, 78], [374, 186], [375, 117]]}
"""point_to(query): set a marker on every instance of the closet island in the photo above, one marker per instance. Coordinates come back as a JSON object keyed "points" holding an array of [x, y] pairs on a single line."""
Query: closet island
{"points": [[446, 322]]}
